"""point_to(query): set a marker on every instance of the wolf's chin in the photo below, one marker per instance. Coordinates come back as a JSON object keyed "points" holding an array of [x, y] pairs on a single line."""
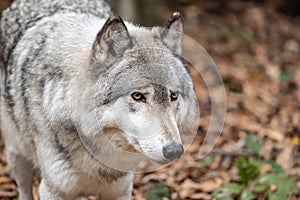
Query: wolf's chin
{"points": [[161, 161]]}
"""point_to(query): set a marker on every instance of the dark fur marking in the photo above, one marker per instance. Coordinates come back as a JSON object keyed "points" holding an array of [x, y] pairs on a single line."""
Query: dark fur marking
{"points": [[63, 149], [25, 75], [169, 23], [42, 88], [24, 86], [8, 96], [131, 107], [110, 176], [184, 62], [161, 95]]}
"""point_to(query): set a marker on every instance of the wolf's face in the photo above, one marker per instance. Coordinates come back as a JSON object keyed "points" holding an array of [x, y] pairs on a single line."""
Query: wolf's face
{"points": [[149, 117], [144, 86]]}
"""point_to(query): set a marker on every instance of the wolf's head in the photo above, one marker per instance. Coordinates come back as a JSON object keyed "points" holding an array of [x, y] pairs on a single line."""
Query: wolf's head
{"points": [[143, 93]]}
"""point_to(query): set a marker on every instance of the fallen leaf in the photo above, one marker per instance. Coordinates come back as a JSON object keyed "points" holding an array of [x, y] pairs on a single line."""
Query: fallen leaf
{"points": [[295, 140], [210, 185], [275, 135], [284, 157], [8, 190], [188, 183], [203, 196], [154, 177], [4, 180]]}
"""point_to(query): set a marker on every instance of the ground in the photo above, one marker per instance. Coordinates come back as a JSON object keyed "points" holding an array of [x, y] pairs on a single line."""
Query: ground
{"points": [[256, 49]]}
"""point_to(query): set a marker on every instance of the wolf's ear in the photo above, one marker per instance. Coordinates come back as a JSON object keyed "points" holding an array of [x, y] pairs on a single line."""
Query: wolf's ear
{"points": [[112, 40], [172, 33]]}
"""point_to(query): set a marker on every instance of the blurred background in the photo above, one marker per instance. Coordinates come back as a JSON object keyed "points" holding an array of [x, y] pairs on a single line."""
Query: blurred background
{"points": [[256, 46], [148, 12]]}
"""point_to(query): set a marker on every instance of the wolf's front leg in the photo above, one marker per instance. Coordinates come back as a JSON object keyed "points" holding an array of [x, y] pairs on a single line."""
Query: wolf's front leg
{"points": [[120, 189], [47, 192], [58, 178], [22, 172]]}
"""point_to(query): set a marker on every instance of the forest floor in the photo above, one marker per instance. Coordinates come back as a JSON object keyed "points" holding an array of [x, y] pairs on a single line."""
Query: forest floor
{"points": [[257, 50]]}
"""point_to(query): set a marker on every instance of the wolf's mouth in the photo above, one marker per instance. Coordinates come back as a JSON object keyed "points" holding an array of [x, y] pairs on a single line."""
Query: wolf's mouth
{"points": [[116, 136], [164, 161]]}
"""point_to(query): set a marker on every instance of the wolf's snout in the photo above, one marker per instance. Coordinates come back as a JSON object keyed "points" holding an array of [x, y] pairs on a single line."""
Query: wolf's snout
{"points": [[173, 150]]}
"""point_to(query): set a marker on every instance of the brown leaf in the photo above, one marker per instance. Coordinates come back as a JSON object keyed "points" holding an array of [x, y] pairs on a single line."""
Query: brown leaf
{"points": [[203, 196], [210, 185], [285, 157], [35, 193], [184, 193], [275, 135], [295, 140], [4, 180], [187, 188], [188, 183], [155, 177], [8, 190], [265, 168], [138, 195], [216, 162]]}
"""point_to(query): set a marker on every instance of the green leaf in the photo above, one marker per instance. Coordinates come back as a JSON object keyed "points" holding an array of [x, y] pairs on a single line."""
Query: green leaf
{"points": [[275, 166], [276, 196], [247, 170], [252, 143], [226, 198], [247, 195], [207, 161], [267, 179], [227, 191], [159, 191], [284, 75], [257, 163], [285, 185], [260, 188]]}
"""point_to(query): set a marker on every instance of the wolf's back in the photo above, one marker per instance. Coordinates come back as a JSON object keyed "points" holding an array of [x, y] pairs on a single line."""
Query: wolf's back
{"points": [[24, 14]]}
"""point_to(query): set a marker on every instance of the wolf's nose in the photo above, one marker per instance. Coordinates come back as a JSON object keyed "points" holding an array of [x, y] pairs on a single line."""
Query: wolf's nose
{"points": [[173, 150]]}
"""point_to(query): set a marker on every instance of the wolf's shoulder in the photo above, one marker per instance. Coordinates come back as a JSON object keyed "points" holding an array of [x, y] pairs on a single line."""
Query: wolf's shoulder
{"points": [[24, 14]]}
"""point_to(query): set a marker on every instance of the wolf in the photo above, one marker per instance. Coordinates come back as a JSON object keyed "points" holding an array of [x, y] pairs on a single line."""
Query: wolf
{"points": [[85, 96]]}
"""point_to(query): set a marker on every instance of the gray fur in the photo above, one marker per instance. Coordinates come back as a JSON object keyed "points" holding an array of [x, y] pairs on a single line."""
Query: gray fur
{"points": [[67, 74]]}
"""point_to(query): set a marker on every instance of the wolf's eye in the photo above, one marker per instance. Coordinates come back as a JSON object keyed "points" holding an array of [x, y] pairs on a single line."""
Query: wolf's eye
{"points": [[138, 97], [174, 96]]}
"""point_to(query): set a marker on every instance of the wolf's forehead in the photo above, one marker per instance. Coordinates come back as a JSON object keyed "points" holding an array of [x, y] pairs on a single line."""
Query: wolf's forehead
{"points": [[152, 75], [148, 79], [154, 89]]}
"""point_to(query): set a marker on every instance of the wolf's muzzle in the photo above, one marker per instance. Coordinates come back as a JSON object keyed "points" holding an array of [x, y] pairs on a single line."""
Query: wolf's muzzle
{"points": [[173, 150]]}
